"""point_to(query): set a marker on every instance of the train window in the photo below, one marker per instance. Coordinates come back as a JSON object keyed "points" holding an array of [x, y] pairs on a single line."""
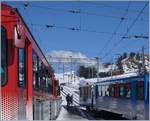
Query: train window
{"points": [[99, 90], [80, 91], [22, 79], [111, 88], [49, 83], [148, 90], [46, 81], [84, 91], [90, 89], [35, 61], [35, 70], [121, 91], [127, 90], [87, 90], [116, 90], [140, 90], [34, 79], [103, 90], [3, 56], [107, 90]]}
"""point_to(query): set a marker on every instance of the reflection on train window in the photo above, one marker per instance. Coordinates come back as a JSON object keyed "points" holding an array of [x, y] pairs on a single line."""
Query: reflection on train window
{"points": [[99, 90], [140, 90], [103, 90], [80, 91], [148, 90], [35, 70], [89, 91], [35, 61], [3, 56], [22, 79], [116, 94], [84, 91], [128, 91], [41, 78], [121, 94], [107, 90], [111, 91], [50, 87]]}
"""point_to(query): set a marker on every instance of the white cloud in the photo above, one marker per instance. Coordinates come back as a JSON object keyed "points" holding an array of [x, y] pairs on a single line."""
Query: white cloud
{"points": [[65, 56]]}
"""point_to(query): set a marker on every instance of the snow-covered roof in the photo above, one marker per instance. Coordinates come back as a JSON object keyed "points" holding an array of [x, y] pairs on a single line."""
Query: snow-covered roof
{"points": [[94, 80], [118, 76], [87, 81]]}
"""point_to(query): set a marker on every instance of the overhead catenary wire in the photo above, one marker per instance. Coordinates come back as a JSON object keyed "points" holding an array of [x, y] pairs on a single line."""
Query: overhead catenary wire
{"points": [[108, 6], [79, 11], [31, 23], [74, 28], [27, 14], [130, 27], [116, 29]]}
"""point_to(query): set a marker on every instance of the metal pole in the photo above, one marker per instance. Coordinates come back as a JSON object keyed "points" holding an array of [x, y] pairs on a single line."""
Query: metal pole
{"points": [[111, 66], [71, 67], [74, 72], [143, 60], [63, 71], [97, 59]]}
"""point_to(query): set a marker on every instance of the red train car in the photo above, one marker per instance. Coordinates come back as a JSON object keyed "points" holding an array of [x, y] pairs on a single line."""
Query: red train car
{"points": [[29, 89]]}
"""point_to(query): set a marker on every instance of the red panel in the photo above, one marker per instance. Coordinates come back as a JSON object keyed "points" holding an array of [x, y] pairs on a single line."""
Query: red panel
{"points": [[10, 90]]}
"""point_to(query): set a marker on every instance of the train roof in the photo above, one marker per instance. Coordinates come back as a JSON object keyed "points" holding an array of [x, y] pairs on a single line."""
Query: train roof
{"points": [[121, 78], [85, 82], [110, 79], [29, 35]]}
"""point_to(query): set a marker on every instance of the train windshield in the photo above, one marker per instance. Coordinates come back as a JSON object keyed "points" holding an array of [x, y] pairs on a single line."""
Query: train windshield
{"points": [[3, 56]]}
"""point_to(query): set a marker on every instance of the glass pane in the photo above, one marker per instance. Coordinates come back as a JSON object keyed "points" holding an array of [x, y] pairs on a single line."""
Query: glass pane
{"points": [[22, 82], [128, 91], [3, 56], [121, 91], [35, 70], [35, 61], [140, 90]]}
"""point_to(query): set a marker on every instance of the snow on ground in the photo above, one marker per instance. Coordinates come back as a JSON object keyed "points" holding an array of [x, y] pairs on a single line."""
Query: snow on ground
{"points": [[65, 115]]}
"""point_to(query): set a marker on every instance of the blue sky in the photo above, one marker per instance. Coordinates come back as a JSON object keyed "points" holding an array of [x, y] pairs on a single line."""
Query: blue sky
{"points": [[95, 16]]}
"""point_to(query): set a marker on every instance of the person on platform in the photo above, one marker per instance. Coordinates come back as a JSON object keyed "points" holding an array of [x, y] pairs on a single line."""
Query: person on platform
{"points": [[71, 99], [68, 99]]}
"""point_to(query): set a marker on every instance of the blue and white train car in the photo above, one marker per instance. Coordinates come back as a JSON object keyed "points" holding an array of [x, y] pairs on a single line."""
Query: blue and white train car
{"points": [[86, 97], [128, 96]]}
